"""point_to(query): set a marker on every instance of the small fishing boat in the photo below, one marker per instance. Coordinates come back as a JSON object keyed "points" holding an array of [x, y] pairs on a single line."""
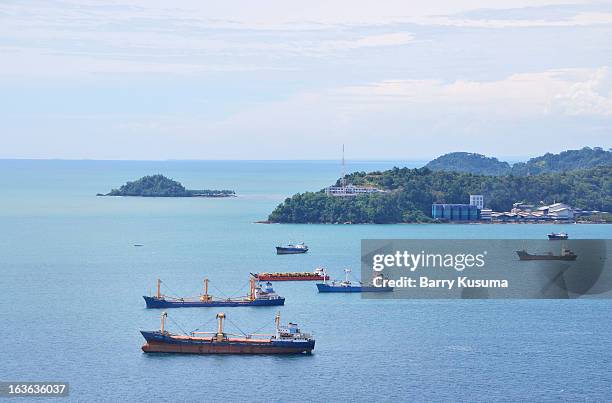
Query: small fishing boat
{"points": [[566, 254], [292, 249], [317, 275], [555, 236], [260, 294], [348, 286], [287, 339]]}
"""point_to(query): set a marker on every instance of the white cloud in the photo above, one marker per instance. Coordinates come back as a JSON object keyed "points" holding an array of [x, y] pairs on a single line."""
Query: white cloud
{"points": [[346, 111], [392, 74], [568, 91], [592, 97], [134, 35], [580, 19]]}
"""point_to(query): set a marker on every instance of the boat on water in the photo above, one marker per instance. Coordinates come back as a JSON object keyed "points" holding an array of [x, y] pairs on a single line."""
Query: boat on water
{"points": [[555, 236], [260, 294], [317, 275], [566, 254], [292, 249], [349, 286], [287, 339]]}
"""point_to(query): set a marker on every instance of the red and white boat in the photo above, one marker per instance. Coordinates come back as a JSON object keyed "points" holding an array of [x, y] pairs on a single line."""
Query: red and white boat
{"points": [[317, 275]]}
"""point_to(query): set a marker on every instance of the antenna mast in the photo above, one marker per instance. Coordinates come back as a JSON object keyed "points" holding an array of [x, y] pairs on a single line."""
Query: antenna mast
{"points": [[343, 180]]}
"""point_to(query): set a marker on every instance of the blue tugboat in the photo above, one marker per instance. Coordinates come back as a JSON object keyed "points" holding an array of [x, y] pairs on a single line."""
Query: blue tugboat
{"points": [[349, 286], [292, 249], [259, 295]]}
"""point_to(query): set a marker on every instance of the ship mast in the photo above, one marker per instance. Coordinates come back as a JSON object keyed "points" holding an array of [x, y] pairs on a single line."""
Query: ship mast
{"points": [[163, 322], [252, 291], [158, 288], [205, 297], [346, 275], [343, 180], [220, 317]]}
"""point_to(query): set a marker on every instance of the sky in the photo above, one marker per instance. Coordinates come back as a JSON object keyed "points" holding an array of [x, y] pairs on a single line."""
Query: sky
{"points": [[238, 79]]}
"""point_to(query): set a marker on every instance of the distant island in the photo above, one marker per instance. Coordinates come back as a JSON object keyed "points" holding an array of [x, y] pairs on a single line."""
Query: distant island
{"points": [[406, 195], [570, 160], [160, 186]]}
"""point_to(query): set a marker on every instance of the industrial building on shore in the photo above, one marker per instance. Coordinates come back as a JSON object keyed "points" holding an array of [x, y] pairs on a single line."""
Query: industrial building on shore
{"points": [[520, 212]]}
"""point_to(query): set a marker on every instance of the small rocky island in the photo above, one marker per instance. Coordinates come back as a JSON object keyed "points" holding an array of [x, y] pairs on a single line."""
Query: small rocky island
{"points": [[160, 186]]}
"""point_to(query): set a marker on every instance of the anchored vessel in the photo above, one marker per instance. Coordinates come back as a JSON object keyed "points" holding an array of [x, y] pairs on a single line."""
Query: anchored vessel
{"points": [[566, 254], [317, 275], [349, 286], [554, 236], [291, 249], [259, 295], [285, 340]]}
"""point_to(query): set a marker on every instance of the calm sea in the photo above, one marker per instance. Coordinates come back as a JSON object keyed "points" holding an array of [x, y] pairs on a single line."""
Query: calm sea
{"points": [[72, 284]]}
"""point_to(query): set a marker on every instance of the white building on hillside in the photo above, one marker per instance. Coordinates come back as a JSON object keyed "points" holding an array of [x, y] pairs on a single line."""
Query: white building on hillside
{"points": [[350, 190], [477, 200]]}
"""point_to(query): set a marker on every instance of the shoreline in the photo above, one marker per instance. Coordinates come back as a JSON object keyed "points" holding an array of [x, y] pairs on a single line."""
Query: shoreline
{"points": [[178, 197], [433, 223]]}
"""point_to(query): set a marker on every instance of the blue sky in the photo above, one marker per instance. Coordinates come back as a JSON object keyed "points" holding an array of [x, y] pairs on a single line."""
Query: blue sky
{"points": [[277, 80]]}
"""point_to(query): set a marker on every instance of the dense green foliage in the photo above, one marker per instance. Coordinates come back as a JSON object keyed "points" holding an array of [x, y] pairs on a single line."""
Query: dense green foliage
{"points": [[412, 191], [160, 186], [563, 162], [470, 163], [566, 161]]}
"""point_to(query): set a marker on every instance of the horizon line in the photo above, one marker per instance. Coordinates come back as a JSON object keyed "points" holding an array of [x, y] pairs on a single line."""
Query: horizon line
{"points": [[423, 159]]}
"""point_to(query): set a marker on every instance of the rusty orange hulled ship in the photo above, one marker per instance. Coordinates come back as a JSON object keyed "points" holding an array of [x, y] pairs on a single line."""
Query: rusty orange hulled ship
{"points": [[317, 275], [286, 339]]}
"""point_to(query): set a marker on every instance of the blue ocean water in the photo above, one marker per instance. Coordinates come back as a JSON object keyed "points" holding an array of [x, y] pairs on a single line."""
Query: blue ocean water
{"points": [[72, 285]]}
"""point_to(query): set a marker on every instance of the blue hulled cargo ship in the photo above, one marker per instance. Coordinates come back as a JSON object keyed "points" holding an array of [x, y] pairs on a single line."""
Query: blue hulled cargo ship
{"points": [[349, 286], [286, 339], [260, 294], [292, 249]]}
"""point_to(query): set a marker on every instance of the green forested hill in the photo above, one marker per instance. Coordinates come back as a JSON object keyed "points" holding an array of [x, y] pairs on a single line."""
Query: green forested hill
{"points": [[160, 186], [412, 191], [470, 163], [565, 161]]}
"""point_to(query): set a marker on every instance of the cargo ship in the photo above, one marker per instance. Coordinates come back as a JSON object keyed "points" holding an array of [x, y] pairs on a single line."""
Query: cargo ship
{"points": [[348, 286], [566, 254], [316, 275], [556, 236], [259, 295], [287, 339], [291, 249]]}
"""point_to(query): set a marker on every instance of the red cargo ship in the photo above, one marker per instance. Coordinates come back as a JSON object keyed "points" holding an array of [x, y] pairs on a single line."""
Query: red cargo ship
{"points": [[317, 275]]}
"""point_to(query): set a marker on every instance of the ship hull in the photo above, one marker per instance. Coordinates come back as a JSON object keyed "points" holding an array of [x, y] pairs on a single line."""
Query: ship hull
{"points": [[527, 256], [290, 251], [155, 303], [157, 343], [344, 289], [292, 278], [556, 237]]}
